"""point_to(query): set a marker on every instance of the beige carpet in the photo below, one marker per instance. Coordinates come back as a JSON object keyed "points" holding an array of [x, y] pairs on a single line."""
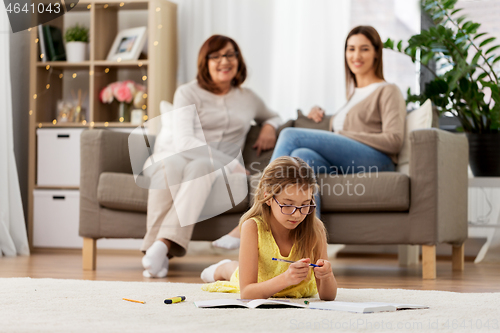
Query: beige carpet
{"points": [[50, 305]]}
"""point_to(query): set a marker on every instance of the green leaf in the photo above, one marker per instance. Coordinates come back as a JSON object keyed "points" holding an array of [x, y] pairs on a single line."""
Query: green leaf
{"points": [[482, 76], [456, 11], [461, 18], [492, 49], [480, 35], [486, 41], [389, 44], [427, 57], [400, 45], [496, 60], [473, 28], [464, 85], [476, 58]]}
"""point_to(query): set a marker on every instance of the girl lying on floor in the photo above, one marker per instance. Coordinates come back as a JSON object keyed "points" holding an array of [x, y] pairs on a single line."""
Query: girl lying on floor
{"points": [[281, 224]]}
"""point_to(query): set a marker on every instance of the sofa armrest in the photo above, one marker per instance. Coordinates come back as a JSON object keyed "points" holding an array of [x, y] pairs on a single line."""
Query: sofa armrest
{"points": [[439, 187], [100, 151]]}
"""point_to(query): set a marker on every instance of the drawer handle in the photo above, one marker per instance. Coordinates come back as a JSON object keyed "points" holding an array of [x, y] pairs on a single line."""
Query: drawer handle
{"points": [[62, 135], [58, 197]]}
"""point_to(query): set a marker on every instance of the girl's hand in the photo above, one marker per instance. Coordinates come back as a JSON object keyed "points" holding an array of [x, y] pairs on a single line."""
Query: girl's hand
{"points": [[297, 271], [266, 139], [316, 114], [324, 271]]}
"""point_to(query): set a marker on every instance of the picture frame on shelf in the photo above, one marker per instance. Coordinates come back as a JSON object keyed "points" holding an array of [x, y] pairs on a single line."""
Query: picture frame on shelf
{"points": [[128, 44]]}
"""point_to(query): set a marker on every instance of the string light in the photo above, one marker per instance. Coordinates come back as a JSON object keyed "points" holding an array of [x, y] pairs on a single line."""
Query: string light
{"points": [[36, 40], [29, 29], [40, 125], [144, 78], [61, 75], [72, 5], [54, 121], [144, 107], [47, 67], [31, 112], [144, 96], [105, 6], [41, 56], [84, 122], [140, 64], [122, 4], [34, 96], [91, 124], [119, 59], [121, 119], [106, 124], [91, 73], [155, 43], [89, 6], [74, 75], [47, 86], [106, 70], [158, 9], [145, 117]]}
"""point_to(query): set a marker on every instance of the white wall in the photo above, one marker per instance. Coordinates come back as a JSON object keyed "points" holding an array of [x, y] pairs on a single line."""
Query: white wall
{"points": [[19, 72]]}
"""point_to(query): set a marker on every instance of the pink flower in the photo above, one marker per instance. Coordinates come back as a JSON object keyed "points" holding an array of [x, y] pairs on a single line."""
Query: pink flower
{"points": [[106, 95], [122, 92], [140, 87]]}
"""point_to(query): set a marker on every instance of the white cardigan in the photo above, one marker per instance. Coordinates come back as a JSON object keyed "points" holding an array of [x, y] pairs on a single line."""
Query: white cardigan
{"points": [[200, 117]]}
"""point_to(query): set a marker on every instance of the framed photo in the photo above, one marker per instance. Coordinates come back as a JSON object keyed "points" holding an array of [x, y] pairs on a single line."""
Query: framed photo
{"points": [[128, 44]]}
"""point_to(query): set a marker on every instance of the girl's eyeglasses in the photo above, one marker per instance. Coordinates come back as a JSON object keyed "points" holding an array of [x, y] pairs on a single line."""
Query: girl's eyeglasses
{"points": [[230, 56], [290, 209]]}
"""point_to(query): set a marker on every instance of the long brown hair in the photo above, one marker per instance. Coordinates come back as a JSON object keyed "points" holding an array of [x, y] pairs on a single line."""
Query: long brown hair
{"points": [[211, 45], [372, 34], [309, 236]]}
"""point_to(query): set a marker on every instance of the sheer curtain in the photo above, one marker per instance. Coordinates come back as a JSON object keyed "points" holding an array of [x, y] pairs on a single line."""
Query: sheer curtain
{"points": [[293, 48], [13, 239]]}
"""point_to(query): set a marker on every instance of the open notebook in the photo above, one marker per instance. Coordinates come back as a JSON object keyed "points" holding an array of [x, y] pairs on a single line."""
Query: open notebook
{"points": [[251, 304], [366, 307]]}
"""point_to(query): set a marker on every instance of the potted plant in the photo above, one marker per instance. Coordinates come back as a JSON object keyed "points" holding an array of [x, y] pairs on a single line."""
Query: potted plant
{"points": [[77, 38], [465, 83]]}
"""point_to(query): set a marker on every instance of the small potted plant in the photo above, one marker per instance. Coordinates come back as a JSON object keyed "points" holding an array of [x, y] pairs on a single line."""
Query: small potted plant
{"points": [[77, 38]]}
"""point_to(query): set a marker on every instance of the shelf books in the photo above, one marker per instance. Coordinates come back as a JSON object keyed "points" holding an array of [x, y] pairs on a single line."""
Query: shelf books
{"points": [[51, 43]]}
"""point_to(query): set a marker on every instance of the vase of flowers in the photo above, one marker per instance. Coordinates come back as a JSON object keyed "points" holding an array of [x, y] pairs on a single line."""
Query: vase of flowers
{"points": [[125, 93]]}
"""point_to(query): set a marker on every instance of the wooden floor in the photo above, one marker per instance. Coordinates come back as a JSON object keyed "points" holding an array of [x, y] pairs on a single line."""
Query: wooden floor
{"points": [[351, 272]]}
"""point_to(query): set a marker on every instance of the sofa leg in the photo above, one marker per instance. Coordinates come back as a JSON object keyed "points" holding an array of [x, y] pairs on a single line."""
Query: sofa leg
{"points": [[428, 261], [408, 255], [457, 257], [89, 252]]}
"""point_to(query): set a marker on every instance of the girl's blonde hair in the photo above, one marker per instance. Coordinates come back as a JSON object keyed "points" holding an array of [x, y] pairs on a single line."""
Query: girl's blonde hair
{"points": [[310, 235]]}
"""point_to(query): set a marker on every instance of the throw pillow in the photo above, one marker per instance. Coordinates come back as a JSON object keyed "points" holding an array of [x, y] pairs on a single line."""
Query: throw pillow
{"points": [[304, 122], [418, 119]]}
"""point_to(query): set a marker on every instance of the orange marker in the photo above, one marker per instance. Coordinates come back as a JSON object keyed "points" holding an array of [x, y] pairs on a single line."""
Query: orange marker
{"points": [[131, 300]]}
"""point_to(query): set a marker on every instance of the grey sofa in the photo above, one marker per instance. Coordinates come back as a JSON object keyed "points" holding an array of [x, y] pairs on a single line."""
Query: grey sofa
{"points": [[426, 207]]}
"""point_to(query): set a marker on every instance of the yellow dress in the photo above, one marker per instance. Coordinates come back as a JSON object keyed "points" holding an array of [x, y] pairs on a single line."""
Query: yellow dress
{"points": [[268, 269]]}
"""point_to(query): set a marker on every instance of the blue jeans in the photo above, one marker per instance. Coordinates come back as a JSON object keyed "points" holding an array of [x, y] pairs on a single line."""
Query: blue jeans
{"points": [[328, 152]]}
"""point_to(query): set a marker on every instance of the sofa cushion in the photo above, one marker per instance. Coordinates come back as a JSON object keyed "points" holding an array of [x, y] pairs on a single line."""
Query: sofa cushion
{"points": [[368, 192], [119, 191], [255, 163]]}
